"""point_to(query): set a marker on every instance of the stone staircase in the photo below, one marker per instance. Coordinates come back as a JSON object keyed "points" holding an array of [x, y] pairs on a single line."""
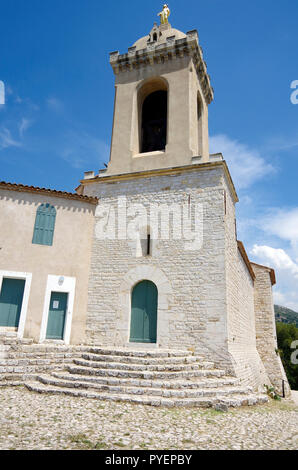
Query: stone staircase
{"points": [[21, 359], [150, 377]]}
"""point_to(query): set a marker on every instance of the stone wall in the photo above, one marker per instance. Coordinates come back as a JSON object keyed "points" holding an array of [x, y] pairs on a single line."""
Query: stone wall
{"points": [[240, 301], [191, 284], [266, 328]]}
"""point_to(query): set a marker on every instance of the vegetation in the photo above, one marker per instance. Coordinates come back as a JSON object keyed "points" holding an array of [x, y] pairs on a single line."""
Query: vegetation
{"points": [[285, 315], [286, 335], [271, 392]]}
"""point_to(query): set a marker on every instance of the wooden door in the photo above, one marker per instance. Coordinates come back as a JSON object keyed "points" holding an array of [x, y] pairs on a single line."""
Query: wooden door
{"points": [[57, 315], [144, 313], [11, 300]]}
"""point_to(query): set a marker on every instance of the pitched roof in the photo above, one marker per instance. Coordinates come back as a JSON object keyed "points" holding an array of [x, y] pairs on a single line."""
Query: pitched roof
{"points": [[270, 270], [246, 260], [249, 264], [47, 192]]}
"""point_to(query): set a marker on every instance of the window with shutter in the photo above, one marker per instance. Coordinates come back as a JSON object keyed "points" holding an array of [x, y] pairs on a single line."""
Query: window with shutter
{"points": [[44, 225]]}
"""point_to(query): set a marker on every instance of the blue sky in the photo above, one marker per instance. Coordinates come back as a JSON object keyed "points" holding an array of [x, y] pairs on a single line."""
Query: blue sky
{"points": [[57, 119]]}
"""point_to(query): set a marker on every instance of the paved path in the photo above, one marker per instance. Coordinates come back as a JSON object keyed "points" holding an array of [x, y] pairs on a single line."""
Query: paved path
{"points": [[32, 421], [295, 397]]}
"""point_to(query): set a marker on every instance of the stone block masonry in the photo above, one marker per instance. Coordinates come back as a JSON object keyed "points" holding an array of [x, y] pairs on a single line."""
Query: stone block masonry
{"points": [[206, 296], [192, 310], [266, 329]]}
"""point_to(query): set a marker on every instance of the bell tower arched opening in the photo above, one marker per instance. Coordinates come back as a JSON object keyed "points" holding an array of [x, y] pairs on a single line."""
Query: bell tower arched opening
{"points": [[154, 122], [153, 115]]}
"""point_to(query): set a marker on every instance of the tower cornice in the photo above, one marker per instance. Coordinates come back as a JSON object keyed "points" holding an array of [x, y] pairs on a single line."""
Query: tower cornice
{"points": [[169, 50], [217, 163]]}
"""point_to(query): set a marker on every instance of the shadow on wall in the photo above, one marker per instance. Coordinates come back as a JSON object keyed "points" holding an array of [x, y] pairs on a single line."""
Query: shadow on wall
{"points": [[35, 200]]}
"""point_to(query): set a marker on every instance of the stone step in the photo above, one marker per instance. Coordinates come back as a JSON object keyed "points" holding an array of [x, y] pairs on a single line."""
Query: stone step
{"points": [[53, 348], [8, 332], [131, 390], [158, 353], [14, 342], [140, 367], [11, 383], [132, 382], [140, 360], [29, 361], [21, 356], [231, 401], [143, 374], [12, 337], [30, 369], [19, 377]]}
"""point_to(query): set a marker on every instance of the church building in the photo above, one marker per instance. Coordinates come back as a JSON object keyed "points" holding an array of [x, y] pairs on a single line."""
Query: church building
{"points": [[152, 262]]}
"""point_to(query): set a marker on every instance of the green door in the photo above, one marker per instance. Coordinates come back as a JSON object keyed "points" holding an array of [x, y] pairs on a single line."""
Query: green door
{"points": [[57, 315], [11, 299], [144, 313]]}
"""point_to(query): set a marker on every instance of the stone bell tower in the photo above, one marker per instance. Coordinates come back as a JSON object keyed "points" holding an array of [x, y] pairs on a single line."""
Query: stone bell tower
{"points": [[161, 103]]}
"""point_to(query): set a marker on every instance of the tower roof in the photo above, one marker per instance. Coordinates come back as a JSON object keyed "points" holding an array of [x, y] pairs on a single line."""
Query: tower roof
{"points": [[164, 43], [162, 32]]}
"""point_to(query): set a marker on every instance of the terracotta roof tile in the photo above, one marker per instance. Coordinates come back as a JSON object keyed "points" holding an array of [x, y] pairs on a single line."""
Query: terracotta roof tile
{"points": [[45, 191]]}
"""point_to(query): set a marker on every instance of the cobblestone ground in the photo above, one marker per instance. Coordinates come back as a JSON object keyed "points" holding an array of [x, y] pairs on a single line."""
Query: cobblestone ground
{"points": [[32, 421]]}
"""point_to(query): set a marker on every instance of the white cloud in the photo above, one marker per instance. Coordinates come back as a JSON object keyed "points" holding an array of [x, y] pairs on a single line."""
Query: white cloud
{"points": [[6, 139], [279, 298], [55, 104], [81, 149], [282, 223], [278, 144], [246, 164], [276, 257], [24, 125], [286, 291], [288, 299]]}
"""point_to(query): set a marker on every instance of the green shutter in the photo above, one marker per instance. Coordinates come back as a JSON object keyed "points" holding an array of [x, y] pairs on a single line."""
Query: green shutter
{"points": [[44, 225], [144, 313], [11, 299]]}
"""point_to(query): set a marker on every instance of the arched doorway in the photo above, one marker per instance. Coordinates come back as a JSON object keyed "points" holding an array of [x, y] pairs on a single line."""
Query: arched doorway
{"points": [[143, 325]]}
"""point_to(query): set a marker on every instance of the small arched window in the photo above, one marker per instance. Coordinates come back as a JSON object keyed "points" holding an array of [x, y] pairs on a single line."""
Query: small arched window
{"points": [[144, 242], [44, 225]]}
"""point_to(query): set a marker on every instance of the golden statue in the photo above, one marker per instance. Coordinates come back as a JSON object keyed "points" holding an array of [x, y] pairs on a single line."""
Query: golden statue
{"points": [[164, 14]]}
